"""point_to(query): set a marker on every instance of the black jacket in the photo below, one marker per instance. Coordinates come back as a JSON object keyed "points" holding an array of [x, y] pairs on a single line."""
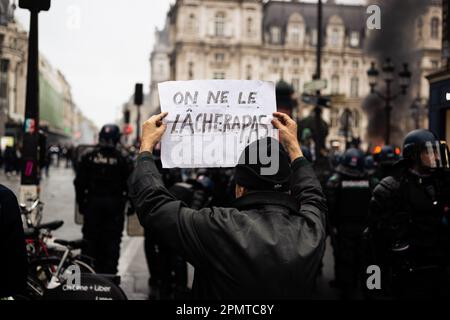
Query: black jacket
{"points": [[409, 209], [102, 172], [13, 266], [269, 246]]}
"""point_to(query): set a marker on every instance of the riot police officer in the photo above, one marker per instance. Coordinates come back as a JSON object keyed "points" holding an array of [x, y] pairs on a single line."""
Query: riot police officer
{"points": [[101, 194], [348, 192], [409, 221]]}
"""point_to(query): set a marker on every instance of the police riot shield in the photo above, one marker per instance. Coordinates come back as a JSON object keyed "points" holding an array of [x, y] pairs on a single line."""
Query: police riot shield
{"points": [[78, 154]]}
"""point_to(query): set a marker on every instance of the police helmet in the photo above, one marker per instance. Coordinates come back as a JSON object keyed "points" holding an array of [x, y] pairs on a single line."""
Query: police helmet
{"points": [[387, 154], [423, 147], [353, 159], [110, 134]]}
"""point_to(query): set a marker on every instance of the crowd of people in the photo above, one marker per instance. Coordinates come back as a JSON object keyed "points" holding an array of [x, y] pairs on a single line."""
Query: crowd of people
{"points": [[249, 235], [51, 156]]}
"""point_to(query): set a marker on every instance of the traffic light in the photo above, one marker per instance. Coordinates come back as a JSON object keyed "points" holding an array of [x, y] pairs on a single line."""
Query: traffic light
{"points": [[128, 129], [126, 116], [139, 94]]}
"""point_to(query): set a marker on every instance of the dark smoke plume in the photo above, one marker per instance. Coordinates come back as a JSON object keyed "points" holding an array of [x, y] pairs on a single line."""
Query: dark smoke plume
{"points": [[395, 40]]}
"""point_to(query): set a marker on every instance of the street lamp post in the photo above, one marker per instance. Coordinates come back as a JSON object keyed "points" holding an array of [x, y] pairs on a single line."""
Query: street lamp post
{"points": [[30, 164], [388, 73]]}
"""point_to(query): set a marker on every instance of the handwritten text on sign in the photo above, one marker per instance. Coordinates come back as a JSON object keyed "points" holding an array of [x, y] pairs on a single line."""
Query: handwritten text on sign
{"points": [[210, 122]]}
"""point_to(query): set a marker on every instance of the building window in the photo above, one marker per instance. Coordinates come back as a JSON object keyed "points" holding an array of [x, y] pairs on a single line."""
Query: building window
{"points": [[354, 39], [434, 64], [335, 84], [355, 64], [296, 61], [334, 117], [276, 35], [275, 61], [354, 87], [335, 63], [249, 72], [191, 23], [435, 28], [296, 84], [356, 118], [295, 34], [4, 66], [219, 75], [334, 40], [219, 57], [249, 27], [191, 71], [419, 27], [314, 37], [219, 25], [3, 90]]}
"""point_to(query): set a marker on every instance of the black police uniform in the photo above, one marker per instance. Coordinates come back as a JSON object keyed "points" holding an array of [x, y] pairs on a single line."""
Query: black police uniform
{"points": [[101, 195], [348, 192], [411, 235], [409, 227]]}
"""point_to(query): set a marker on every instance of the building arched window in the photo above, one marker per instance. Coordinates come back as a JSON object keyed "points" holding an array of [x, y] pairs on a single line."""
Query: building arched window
{"points": [[295, 33], [435, 28], [219, 24], [354, 87], [295, 29], [334, 39], [335, 84], [354, 39], [275, 35]]}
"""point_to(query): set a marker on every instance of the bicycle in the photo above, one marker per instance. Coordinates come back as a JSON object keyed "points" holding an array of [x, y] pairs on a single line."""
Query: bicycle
{"points": [[52, 262]]}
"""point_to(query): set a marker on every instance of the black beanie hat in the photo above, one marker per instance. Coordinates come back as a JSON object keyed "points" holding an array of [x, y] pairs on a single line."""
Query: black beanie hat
{"points": [[257, 168]]}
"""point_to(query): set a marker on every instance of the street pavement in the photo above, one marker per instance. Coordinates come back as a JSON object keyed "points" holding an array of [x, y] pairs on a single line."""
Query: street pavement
{"points": [[57, 193]]}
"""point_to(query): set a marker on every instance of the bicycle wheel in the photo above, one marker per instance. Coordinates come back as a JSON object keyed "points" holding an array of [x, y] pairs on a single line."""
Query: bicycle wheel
{"points": [[43, 269]]}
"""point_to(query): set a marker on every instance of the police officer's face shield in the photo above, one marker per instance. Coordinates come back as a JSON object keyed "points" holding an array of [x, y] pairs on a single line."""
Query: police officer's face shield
{"points": [[435, 155]]}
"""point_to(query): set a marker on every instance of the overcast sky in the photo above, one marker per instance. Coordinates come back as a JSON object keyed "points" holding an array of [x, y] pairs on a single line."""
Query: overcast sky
{"points": [[102, 47]]}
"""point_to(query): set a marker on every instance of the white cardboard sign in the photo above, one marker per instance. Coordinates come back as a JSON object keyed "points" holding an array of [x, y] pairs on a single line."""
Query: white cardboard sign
{"points": [[210, 122]]}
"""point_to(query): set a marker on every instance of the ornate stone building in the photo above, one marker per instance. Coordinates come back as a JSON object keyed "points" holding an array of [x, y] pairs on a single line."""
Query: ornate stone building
{"points": [[274, 40], [13, 47]]}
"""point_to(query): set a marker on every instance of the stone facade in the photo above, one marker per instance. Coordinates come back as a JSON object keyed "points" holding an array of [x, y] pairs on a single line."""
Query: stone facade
{"points": [[274, 40]]}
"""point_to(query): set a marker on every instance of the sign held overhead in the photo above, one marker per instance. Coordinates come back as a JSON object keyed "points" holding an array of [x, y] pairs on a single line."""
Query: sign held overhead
{"points": [[210, 122]]}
